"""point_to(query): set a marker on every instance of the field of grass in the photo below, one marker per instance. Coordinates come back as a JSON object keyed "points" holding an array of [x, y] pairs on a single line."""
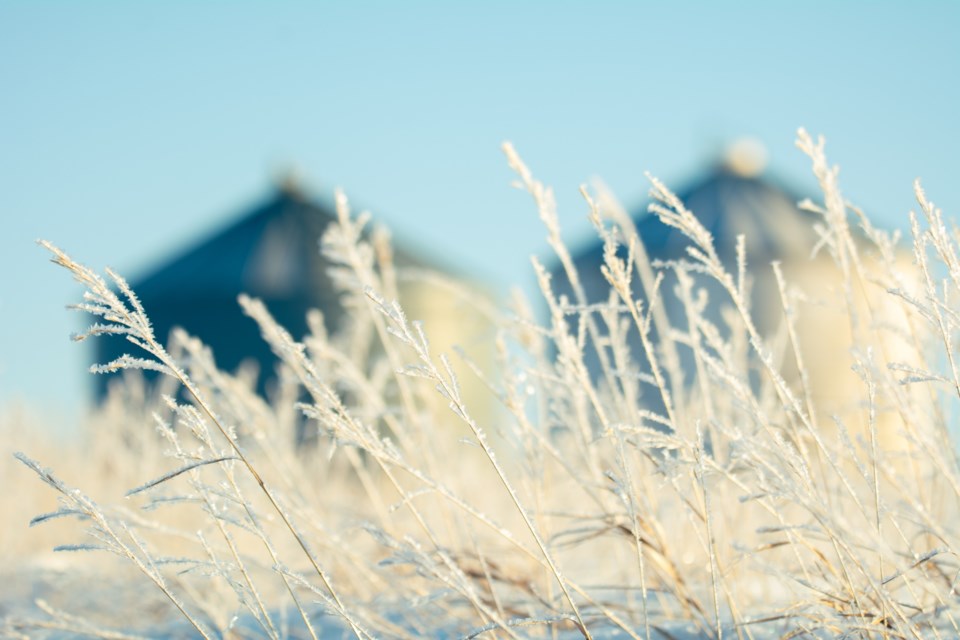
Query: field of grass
{"points": [[740, 507]]}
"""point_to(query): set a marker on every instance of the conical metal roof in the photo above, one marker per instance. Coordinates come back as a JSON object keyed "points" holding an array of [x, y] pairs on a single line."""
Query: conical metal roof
{"points": [[728, 204], [271, 252]]}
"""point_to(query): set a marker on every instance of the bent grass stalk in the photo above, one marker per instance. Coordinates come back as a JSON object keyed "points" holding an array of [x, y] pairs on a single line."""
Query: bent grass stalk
{"points": [[101, 301]]}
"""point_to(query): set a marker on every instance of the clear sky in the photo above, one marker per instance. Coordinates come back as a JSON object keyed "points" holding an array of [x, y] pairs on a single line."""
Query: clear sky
{"points": [[127, 128]]}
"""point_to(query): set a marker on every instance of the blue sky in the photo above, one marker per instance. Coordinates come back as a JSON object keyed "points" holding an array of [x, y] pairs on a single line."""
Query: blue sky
{"points": [[129, 128]]}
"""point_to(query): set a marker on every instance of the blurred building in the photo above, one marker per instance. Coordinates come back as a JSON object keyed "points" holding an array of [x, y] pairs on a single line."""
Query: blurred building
{"points": [[272, 252], [731, 198]]}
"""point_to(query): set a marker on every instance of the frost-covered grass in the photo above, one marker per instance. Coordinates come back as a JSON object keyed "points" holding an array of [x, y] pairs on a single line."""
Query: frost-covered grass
{"points": [[739, 507]]}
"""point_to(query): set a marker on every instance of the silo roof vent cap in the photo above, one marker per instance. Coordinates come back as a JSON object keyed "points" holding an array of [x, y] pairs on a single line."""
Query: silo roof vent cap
{"points": [[745, 157]]}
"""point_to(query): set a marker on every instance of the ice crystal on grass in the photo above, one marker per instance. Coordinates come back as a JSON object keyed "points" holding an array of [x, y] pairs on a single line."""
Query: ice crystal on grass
{"points": [[696, 485]]}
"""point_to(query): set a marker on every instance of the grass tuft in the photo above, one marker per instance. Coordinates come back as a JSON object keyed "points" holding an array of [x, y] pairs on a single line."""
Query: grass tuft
{"points": [[731, 481]]}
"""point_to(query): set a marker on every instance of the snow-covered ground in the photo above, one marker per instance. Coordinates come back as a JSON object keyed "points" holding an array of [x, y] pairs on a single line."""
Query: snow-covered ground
{"points": [[87, 602]]}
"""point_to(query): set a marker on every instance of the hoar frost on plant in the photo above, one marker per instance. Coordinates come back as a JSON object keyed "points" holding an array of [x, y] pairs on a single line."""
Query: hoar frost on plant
{"points": [[738, 503]]}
